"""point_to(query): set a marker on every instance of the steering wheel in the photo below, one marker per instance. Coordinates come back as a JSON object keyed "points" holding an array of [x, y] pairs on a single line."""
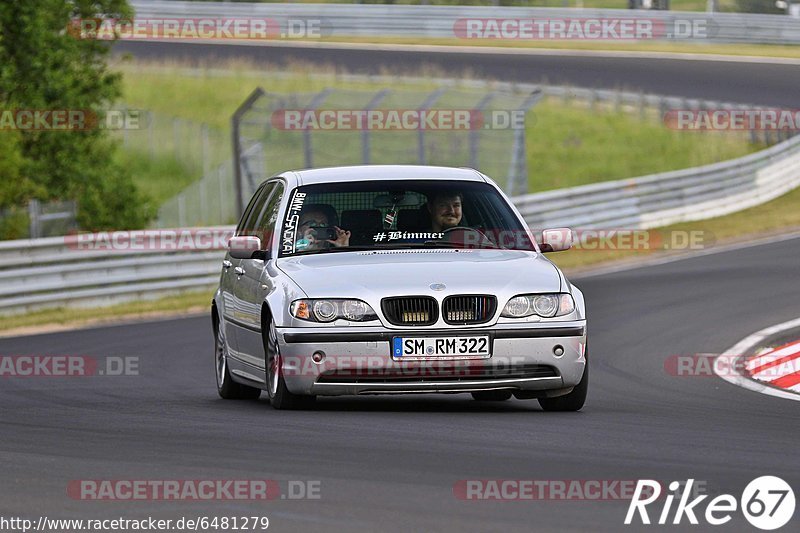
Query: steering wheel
{"points": [[479, 239]]}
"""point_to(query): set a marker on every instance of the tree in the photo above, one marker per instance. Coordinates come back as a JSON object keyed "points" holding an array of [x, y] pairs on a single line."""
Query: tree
{"points": [[43, 66]]}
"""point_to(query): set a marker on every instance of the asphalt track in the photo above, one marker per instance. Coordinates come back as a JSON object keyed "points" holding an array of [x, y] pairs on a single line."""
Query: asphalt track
{"points": [[752, 82], [390, 464]]}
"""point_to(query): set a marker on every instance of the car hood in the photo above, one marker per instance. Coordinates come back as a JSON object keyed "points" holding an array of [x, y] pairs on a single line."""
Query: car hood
{"points": [[374, 275]]}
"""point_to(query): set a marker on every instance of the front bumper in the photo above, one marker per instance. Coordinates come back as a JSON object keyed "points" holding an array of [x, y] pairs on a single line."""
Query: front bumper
{"points": [[359, 361]]}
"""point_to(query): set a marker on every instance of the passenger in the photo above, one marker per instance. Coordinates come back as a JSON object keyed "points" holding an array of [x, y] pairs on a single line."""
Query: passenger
{"points": [[315, 224]]}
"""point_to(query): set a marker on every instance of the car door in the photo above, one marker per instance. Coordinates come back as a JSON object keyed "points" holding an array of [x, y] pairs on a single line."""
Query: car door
{"points": [[253, 283], [231, 268]]}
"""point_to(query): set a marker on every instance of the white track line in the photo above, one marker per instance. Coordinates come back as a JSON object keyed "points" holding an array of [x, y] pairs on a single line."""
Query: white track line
{"points": [[742, 347]]}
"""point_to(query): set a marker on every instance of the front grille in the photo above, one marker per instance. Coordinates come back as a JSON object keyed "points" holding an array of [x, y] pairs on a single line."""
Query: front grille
{"points": [[441, 372], [469, 309], [410, 310]]}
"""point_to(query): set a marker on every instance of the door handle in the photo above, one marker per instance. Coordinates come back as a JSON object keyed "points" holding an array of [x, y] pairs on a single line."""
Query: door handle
{"points": [[239, 271], [226, 264]]}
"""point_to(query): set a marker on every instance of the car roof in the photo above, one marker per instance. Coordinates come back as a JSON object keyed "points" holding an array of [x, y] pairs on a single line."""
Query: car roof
{"points": [[385, 172]]}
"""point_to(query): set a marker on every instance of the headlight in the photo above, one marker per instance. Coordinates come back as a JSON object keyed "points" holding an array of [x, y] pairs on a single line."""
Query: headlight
{"points": [[329, 310], [544, 305]]}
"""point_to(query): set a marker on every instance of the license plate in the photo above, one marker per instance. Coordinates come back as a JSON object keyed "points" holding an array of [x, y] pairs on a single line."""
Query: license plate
{"points": [[432, 347]]}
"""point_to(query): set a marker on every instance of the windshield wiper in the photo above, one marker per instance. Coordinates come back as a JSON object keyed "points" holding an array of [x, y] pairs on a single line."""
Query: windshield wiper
{"points": [[447, 244], [335, 249]]}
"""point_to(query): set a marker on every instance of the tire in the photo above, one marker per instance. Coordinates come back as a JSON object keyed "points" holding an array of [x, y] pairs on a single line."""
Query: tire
{"points": [[226, 387], [492, 395], [279, 395], [569, 402]]}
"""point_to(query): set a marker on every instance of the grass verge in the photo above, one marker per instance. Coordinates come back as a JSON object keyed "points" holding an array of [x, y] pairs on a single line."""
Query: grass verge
{"points": [[159, 176], [754, 50], [62, 317]]}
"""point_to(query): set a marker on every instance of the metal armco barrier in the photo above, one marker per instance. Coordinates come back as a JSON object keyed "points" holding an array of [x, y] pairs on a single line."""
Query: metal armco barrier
{"points": [[670, 197], [65, 271], [359, 20]]}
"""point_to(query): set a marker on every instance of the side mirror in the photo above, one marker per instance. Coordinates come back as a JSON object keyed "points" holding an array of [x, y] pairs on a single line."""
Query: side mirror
{"points": [[245, 247], [556, 240]]}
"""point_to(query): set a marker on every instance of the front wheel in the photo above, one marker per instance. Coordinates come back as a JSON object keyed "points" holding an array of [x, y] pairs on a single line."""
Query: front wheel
{"points": [[569, 402], [279, 396], [226, 387]]}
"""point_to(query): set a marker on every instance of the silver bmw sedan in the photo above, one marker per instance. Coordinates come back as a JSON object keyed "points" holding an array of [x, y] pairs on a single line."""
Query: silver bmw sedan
{"points": [[395, 280]]}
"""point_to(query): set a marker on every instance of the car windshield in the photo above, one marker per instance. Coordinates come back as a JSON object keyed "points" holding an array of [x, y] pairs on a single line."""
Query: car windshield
{"points": [[375, 215]]}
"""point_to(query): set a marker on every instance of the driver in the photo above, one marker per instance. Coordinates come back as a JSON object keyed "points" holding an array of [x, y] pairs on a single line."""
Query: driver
{"points": [[311, 223], [445, 210]]}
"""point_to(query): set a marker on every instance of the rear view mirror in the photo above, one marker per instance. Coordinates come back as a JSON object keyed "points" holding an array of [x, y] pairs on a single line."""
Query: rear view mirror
{"points": [[243, 247], [556, 240], [385, 201]]}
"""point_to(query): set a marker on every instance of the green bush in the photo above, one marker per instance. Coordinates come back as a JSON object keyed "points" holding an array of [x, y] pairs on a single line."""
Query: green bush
{"points": [[43, 66]]}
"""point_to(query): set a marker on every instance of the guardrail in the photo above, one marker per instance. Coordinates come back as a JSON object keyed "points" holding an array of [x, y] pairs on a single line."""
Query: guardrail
{"points": [[670, 197], [359, 20], [55, 271], [67, 271]]}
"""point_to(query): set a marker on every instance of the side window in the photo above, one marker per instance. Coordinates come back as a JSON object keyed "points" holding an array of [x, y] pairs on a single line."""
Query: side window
{"points": [[248, 210], [248, 226], [265, 224]]}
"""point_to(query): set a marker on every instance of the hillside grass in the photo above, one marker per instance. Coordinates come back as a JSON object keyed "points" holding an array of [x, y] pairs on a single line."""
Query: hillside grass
{"points": [[567, 143]]}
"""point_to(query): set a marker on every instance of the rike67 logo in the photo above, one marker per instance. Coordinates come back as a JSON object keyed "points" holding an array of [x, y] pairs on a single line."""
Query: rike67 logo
{"points": [[767, 503]]}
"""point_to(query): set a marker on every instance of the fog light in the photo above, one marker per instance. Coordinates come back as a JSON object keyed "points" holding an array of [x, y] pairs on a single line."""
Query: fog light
{"points": [[318, 356], [558, 350]]}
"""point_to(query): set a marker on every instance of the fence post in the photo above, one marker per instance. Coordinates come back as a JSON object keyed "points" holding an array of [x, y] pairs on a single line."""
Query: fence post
{"points": [[308, 152], [176, 137], [642, 106], [237, 146], [518, 168], [365, 133], [124, 126], [203, 197], [150, 134], [221, 194], [181, 210], [474, 132], [429, 101], [34, 210], [204, 148]]}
